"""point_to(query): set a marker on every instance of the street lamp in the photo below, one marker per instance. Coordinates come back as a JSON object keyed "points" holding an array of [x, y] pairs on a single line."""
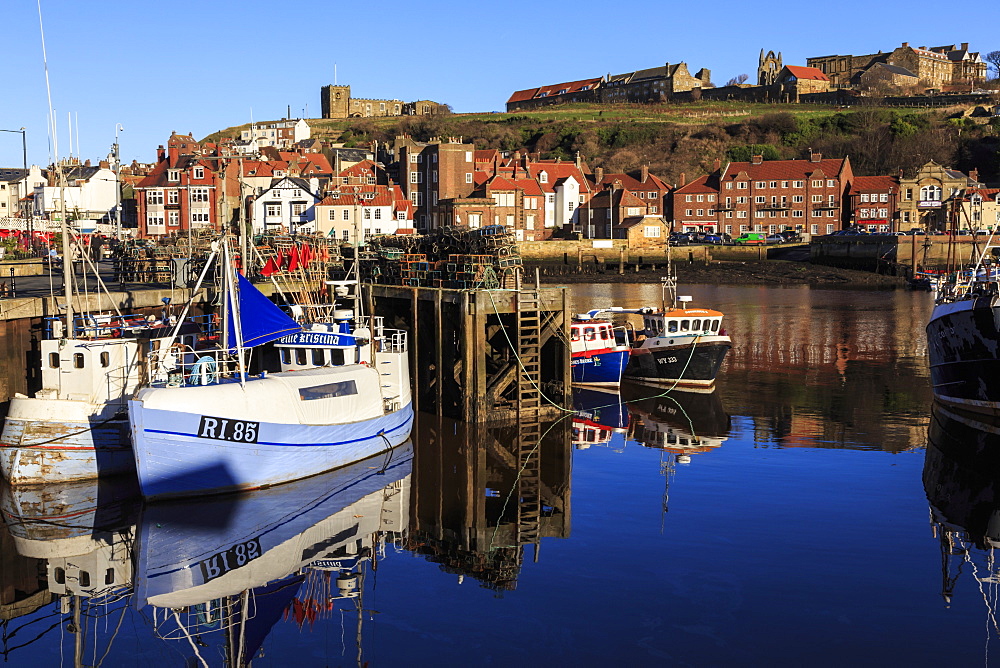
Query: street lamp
{"points": [[24, 159]]}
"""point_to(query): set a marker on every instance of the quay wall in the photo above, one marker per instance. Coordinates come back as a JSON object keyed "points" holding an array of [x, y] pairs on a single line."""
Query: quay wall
{"points": [[877, 253]]}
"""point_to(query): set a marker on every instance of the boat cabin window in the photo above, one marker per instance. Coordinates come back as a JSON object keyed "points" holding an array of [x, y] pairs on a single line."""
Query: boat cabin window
{"points": [[84, 579], [155, 344], [286, 356], [105, 359], [696, 325], [300, 356], [589, 334], [59, 575], [54, 360], [109, 576], [672, 326], [715, 325], [77, 360], [604, 333], [319, 359], [659, 326], [685, 325], [328, 391], [574, 333], [337, 356]]}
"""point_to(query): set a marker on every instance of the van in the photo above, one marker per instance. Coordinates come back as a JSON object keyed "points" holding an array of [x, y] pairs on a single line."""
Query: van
{"points": [[750, 238]]}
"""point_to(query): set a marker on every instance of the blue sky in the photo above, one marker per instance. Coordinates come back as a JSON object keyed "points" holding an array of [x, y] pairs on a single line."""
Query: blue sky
{"points": [[200, 66]]}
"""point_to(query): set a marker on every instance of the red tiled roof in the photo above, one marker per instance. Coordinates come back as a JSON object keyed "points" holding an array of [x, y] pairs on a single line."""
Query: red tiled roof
{"points": [[801, 72], [784, 169], [632, 183], [874, 184], [699, 185], [530, 188], [555, 172], [554, 89], [500, 183]]}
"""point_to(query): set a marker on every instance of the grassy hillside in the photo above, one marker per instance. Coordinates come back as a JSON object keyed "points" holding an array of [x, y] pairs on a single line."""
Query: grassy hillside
{"points": [[689, 137]]}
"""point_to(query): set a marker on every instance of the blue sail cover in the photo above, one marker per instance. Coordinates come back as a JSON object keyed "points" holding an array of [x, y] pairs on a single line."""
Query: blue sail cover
{"points": [[260, 319]]}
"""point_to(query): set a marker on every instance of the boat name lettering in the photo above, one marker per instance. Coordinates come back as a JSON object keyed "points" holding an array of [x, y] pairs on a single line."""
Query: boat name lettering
{"points": [[321, 338], [225, 429], [221, 563], [667, 360]]}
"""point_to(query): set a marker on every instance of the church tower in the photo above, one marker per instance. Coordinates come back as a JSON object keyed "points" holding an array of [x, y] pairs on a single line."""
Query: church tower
{"points": [[333, 101], [768, 67]]}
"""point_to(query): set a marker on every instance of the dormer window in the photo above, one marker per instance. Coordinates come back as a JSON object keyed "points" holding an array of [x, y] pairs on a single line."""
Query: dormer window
{"points": [[173, 175], [543, 177], [198, 172]]}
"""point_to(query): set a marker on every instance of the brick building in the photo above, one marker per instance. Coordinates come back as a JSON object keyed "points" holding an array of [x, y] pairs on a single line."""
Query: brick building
{"points": [[433, 173], [873, 203], [585, 90], [766, 196], [657, 84]]}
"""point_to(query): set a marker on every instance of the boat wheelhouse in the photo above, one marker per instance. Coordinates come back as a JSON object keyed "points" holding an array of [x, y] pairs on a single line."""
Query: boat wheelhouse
{"points": [[599, 351]]}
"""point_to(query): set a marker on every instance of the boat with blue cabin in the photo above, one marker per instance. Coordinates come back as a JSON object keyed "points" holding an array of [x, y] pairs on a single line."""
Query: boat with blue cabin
{"points": [[341, 394]]}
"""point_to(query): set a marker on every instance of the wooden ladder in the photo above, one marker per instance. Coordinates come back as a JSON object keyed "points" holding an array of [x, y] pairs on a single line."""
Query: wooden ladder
{"points": [[529, 481], [529, 343]]}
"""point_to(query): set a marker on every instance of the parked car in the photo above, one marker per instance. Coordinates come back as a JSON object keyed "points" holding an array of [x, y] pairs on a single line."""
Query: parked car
{"points": [[791, 235], [774, 239], [750, 238], [679, 239], [712, 239]]}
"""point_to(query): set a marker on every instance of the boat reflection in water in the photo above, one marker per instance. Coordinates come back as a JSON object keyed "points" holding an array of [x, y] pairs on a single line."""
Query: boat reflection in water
{"points": [[962, 481], [682, 423], [239, 563], [600, 414]]}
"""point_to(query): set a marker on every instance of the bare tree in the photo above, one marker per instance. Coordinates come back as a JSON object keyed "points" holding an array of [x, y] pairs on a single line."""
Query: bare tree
{"points": [[993, 59], [737, 80]]}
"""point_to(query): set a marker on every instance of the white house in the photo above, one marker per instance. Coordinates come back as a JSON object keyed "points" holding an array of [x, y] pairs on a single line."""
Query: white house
{"points": [[281, 134], [287, 205], [15, 184], [89, 193], [371, 210]]}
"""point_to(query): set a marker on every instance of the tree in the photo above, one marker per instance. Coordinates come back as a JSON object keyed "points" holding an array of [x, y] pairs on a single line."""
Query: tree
{"points": [[993, 60], [737, 80]]}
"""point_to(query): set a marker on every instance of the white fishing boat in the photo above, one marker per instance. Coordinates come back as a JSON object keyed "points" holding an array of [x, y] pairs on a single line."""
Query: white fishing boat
{"points": [[76, 426], [342, 394]]}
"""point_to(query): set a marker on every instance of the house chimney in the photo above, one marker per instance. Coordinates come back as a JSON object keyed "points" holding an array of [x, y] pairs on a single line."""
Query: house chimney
{"points": [[645, 173], [965, 46], [598, 175], [756, 159], [172, 155], [815, 157], [86, 163], [906, 44], [161, 154], [683, 179], [578, 160], [104, 164], [717, 165], [974, 174]]}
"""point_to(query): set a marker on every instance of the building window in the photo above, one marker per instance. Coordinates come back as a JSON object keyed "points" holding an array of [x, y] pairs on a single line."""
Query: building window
{"points": [[173, 197], [798, 199], [543, 177], [741, 185], [468, 177], [760, 199], [817, 183], [416, 177], [701, 198], [799, 184], [154, 197], [830, 183], [199, 172], [864, 197], [417, 198], [760, 184], [199, 194], [199, 217], [817, 198], [298, 208], [154, 220], [774, 184], [173, 176], [930, 194], [173, 218], [651, 231], [272, 209], [332, 214]]}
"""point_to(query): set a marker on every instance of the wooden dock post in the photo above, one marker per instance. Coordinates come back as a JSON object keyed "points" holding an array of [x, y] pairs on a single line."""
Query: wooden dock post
{"points": [[481, 355]]}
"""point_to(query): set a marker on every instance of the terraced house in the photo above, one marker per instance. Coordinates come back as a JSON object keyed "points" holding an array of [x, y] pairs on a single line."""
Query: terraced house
{"points": [[766, 196]]}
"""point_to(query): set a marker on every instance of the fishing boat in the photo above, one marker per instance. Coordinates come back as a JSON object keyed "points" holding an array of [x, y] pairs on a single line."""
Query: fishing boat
{"points": [[75, 427], [599, 351], [679, 346], [963, 339], [341, 394]]}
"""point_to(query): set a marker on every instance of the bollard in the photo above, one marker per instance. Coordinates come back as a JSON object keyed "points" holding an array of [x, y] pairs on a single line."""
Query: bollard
{"points": [[13, 288]]}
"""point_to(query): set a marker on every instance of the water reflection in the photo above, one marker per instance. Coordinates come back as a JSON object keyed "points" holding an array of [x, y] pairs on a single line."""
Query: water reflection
{"points": [[962, 481], [483, 494]]}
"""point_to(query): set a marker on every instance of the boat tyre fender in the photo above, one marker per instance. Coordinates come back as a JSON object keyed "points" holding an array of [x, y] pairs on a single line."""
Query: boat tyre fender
{"points": [[204, 371]]}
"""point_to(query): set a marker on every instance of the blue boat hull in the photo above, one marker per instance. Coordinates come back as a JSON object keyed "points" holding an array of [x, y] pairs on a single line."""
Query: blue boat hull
{"points": [[599, 368], [174, 461]]}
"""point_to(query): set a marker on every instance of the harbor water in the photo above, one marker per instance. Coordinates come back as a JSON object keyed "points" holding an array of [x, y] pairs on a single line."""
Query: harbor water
{"points": [[796, 516]]}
